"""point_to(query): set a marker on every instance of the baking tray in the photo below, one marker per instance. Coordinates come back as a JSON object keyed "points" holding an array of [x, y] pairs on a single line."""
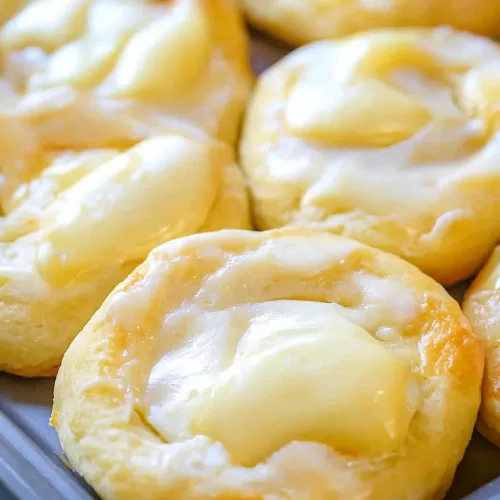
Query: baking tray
{"points": [[33, 466]]}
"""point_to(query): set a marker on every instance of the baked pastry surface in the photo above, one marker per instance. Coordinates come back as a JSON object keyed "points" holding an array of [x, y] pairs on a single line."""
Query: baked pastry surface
{"points": [[108, 110], [287, 363], [390, 138], [123, 70], [78, 221], [482, 307], [302, 21]]}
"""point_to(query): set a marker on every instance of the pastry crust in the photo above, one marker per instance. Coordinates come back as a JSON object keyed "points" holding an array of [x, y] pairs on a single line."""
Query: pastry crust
{"points": [[77, 222], [302, 21], [388, 137], [113, 72], [108, 125], [201, 372], [482, 308]]}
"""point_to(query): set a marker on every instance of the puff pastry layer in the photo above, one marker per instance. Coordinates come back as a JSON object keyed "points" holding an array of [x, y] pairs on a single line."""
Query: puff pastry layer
{"points": [[78, 221], [482, 307], [288, 363], [118, 71], [301, 21], [391, 138]]}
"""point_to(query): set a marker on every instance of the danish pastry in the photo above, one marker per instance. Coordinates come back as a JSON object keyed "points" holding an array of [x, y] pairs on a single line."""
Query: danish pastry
{"points": [[288, 363], [482, 307], [391, 138], [77, 222], [122, 70], [301, 21]]}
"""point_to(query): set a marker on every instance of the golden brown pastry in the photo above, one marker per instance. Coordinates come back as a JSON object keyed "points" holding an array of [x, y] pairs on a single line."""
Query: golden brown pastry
{"points": [[482, 307], [123, 70], [283, 364], [389, 137], [10, 7], [301, 21], [106, 109], [77, 222]]}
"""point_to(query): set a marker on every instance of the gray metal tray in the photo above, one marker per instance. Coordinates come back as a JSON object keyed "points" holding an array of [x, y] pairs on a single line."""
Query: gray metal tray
{"points": [[32, 464]]}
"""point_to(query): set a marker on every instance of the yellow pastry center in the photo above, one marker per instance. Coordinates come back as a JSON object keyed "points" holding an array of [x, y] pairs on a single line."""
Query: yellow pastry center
{"points": [[25, 199], [337, 386], [167, 57], [134, 49], [299, 372], [46, 24], [369, 113], [480, 94], [373, 92], [160, 189]]}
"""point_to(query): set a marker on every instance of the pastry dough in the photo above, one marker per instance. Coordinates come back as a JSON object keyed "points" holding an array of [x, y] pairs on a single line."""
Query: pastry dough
{"points": [[282, 364], [10, 7], [482, 307], [389, 137], [77, 222], [123, 70], [106, 111], [302, 21]]}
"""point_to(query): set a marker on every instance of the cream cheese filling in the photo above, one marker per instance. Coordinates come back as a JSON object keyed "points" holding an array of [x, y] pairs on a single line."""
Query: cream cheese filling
{"points": [[257, 377]]}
